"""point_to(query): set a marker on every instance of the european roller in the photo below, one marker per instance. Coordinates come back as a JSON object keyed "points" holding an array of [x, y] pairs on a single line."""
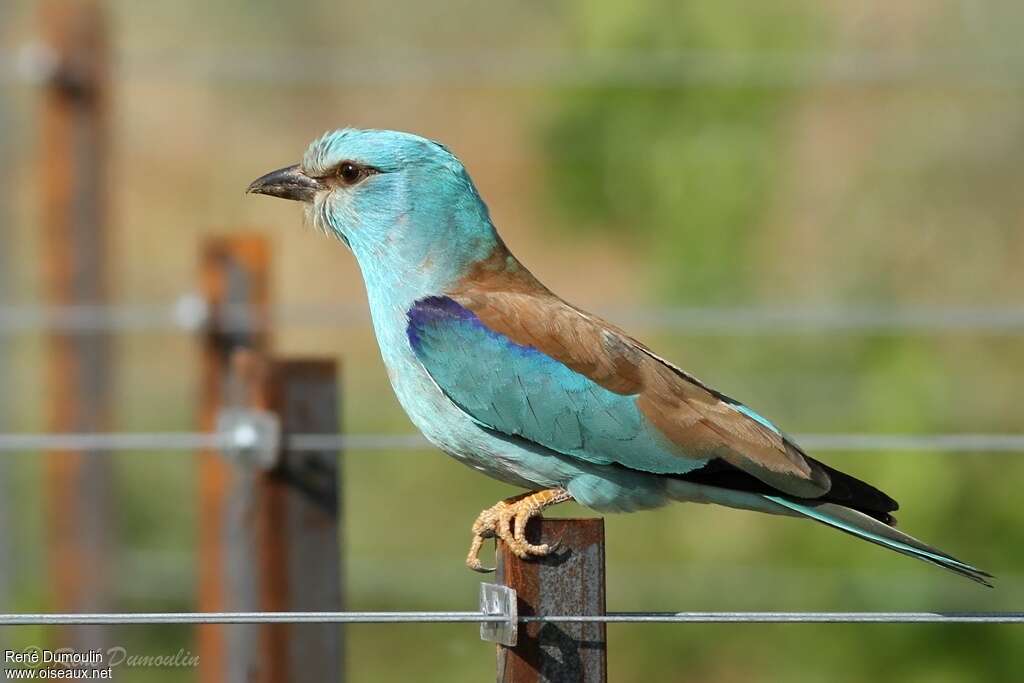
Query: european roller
{"points": [[500, 373]]}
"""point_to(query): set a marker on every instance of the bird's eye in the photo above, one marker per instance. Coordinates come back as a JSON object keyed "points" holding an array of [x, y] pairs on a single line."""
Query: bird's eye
{"points": [[350, 173]]}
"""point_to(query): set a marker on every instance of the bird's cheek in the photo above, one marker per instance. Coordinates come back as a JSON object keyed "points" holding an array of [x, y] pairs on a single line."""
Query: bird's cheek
{"points": [[341, 216]]}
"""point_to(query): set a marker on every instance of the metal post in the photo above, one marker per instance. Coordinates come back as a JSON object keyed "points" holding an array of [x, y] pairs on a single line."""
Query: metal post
{"points": [[234, 278], [74, 150], [569, 581], [301, 541]]}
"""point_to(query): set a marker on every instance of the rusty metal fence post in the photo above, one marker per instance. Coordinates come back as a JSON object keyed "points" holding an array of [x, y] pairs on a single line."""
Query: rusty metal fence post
{"points": [[234, 282], [269, 537], [301, 535], [570, 581], [74, 142]]}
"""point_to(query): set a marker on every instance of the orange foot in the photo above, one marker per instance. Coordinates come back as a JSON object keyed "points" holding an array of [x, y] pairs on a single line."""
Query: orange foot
{"points": [[507, 520]]}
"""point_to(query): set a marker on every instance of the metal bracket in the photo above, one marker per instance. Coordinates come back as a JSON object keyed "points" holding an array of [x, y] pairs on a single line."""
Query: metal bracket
{"points": [[497, 600], [250, 437]]}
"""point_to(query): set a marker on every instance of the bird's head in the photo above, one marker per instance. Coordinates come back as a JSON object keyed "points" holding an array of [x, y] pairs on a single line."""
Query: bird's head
{"points": [[404, 204]]}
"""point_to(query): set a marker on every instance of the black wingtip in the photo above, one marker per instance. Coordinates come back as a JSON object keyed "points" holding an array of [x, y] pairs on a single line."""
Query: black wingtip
{"points": [[977, 575]]}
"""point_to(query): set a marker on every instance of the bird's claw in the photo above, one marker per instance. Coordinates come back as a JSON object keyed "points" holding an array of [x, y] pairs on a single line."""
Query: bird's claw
{"points": [[476, 565], [507, 520], [473, 559]]}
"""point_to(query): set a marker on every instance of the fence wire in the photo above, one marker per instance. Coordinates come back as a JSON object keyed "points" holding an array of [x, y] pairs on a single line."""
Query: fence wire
{"points": [[297, 66], [481, 617], [192, 441], [191, 313]]}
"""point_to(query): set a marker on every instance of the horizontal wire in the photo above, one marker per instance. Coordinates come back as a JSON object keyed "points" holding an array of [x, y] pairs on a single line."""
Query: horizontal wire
{"points": [[249, 618], [190, 313], [788, 617], [35, 62], [538, 68], [191, 441], [114, 441], [357, 442], [948, 443], [479, 617]]}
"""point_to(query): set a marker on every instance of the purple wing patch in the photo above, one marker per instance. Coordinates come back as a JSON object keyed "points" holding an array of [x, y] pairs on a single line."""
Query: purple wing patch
{"points": [[432, 310]]}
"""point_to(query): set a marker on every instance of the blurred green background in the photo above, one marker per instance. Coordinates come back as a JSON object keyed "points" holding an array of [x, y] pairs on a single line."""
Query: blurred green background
{"points": [[793, 154]]}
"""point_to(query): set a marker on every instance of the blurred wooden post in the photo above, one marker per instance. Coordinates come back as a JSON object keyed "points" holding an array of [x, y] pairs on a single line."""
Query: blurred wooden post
{"points": [[568, 582], [300, 535], [74, 151], [234, 280]]}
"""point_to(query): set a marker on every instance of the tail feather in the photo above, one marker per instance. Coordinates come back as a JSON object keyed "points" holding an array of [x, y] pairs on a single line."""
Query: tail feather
{"points": [[863, 526]]}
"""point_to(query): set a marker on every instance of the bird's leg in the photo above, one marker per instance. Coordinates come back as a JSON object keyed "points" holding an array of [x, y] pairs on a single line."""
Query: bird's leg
{"points": [[507, 520]]}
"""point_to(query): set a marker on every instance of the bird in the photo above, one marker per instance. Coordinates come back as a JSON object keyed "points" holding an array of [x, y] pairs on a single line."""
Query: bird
{"points": [[500, 373]]}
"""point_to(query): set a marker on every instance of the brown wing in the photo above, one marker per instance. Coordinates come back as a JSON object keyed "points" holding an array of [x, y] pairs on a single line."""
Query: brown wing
{"points": [[703, 423]]}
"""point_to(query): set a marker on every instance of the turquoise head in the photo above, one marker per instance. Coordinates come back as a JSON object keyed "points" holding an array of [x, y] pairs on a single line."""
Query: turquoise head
{"points": [[404, 205]]}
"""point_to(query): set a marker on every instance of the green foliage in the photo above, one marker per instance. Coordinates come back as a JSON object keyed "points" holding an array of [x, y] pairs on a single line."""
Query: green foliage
{"points": [[685, 171]]}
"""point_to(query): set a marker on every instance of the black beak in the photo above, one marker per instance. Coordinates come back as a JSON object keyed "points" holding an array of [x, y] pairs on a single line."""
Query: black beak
{"points": [[287, 183]]}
